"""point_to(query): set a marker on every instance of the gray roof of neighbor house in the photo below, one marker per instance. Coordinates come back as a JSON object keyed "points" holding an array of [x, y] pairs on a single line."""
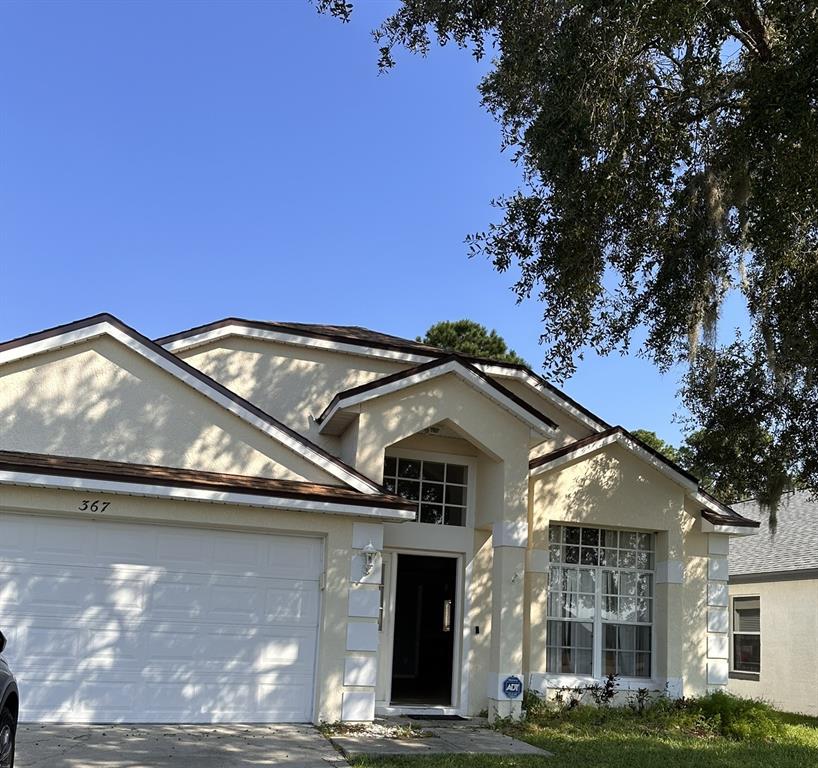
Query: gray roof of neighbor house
{"points": [[792, 547]]}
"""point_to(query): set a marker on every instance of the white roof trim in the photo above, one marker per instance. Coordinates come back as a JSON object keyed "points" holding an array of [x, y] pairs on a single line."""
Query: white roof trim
{"points": [[182, 493], [453, 366], [361, 350], [729, 530], [631, 445], [293, 339], [500, 371], [692, 489], [104, 328], [713, 506]]}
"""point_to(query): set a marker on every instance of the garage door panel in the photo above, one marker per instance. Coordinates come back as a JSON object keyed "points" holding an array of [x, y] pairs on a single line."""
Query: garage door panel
{"points": [[297, 606], [118, 546], [138, 629], [47, 646], [17, 539], [106, 700], [178, 549], [66, 540]]}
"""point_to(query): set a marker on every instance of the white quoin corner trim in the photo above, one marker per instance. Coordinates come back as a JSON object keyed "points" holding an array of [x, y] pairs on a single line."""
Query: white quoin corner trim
{"points": [[510, 533]]}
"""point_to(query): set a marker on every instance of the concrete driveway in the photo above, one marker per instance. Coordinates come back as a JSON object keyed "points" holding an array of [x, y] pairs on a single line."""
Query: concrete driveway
{"points": [[176, 746]]}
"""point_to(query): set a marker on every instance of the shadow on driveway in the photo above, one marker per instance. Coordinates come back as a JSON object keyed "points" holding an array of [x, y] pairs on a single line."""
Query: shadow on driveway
{"points": [[173, 746]]}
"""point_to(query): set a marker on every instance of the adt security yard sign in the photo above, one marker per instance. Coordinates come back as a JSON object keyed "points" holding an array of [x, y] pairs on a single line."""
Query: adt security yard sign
{"points": [[512, 687]]}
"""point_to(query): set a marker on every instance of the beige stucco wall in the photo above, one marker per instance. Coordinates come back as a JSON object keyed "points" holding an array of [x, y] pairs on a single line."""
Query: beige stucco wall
{"points": [[101, 400], [296, 383], [387, 420], [291, 383], [789, 644], [336, 531], [613, 488], [570, 429]]}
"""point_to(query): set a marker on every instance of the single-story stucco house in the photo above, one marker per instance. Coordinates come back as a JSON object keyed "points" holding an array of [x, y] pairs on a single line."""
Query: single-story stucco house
{"points": [[774, 606], [252, 521]]}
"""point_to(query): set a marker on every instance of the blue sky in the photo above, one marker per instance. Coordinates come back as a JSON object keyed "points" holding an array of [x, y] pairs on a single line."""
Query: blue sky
{"points": [[177, 162]]}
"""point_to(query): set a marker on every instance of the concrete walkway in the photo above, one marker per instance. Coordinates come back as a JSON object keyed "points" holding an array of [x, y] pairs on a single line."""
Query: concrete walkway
{"points": [[452, 737], [173, 746]]}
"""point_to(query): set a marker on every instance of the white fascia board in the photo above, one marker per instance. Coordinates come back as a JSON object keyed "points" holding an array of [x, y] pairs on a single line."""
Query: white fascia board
{"points": [[500, 371], [55, 342], [630, 445], [471, 378], [700, 498], [730, 530], [181, 493], [293, 339], [577, 454], [280, 435]]}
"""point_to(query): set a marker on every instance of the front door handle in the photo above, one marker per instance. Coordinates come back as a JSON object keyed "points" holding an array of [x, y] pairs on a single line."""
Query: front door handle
{"points": [[447, 615]]}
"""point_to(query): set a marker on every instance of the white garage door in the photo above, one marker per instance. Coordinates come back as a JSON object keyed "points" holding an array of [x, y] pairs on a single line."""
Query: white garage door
{"points": [[119, 622]]}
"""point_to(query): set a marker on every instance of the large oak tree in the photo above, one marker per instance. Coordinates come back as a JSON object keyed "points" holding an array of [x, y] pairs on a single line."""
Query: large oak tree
{"points": [[668, 152]]}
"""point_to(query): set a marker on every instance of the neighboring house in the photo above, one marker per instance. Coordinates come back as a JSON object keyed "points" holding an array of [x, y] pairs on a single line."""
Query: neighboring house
{"points": [[256, 521], [774, 606]]}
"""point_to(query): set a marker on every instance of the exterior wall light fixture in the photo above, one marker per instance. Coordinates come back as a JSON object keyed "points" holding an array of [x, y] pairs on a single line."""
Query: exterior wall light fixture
{"points": [[370, 555]]}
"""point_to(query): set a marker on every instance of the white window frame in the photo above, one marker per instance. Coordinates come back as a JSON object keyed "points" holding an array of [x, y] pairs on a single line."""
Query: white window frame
{"points": [[734, 632], [556, 679], [470, 462]]}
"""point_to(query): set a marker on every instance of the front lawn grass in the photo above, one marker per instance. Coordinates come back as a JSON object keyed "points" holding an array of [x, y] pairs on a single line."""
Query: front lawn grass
{"points": [[631, 742]]}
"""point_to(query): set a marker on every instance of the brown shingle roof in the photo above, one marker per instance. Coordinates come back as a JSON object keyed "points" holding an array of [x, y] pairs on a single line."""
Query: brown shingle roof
{"points": [[354, 334], [124, 472]]}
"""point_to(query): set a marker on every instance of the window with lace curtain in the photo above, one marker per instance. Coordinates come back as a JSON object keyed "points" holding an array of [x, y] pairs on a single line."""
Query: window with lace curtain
{"points": [[600, 601]]}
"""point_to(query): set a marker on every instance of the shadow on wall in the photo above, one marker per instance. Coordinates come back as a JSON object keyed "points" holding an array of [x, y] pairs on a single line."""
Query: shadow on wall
{"points": [[609, 493], [294, 386], [105, 402]]}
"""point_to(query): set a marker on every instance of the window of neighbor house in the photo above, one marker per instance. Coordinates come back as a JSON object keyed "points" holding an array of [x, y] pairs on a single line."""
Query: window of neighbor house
{"points": [[747, 634], [600, 601], [439, 488]]}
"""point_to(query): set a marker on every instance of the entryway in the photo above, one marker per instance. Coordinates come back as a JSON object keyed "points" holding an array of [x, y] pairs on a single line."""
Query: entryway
{"points": [[424, 631]]}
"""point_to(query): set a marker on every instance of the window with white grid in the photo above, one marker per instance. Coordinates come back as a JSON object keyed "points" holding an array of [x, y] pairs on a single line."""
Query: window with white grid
{"points": [[600, 601]]}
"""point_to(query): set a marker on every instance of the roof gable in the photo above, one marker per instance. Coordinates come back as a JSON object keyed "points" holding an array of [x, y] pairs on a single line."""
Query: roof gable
{"points": [[333, 422], [715, 512], [363, 341], [105, 325]]}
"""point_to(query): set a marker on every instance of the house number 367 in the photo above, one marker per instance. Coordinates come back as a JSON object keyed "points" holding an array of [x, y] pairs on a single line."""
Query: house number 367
{"points": [[94, 505]]}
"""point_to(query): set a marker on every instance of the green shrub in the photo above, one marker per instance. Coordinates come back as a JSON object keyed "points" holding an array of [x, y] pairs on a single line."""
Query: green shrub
{"points": [[737, 718], [534, 704]]}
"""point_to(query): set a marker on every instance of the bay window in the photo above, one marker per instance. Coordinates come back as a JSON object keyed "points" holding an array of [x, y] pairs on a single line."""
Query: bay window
{"points": [[600, 601]]}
